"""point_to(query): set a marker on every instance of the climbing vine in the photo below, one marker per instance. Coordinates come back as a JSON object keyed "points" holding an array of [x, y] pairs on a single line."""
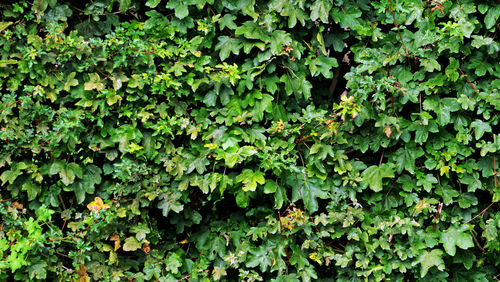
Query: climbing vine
{"points": [[283, 140]]}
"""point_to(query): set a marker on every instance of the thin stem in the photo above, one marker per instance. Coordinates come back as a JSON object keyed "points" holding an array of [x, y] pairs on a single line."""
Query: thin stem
{"points": [[397, 27]]}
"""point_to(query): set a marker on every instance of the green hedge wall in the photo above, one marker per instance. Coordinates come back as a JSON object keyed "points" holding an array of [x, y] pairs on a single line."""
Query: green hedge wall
{"points": [[282, 140]]}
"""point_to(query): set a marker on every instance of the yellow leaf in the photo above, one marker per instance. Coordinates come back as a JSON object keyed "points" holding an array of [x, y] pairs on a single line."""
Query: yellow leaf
{"points": [[115, 238], [445, 170], [97, 205]]}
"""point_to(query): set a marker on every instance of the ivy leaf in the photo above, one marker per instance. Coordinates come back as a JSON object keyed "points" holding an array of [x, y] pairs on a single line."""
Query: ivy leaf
{"points": [[67, 176], [252, 30], [405, 158], [261, 106], [124, 5], [152, 3], [373, 175], [32, 188], [218, 272], [480, 127], [169, 202], [259, 257], [69, 172], [9, 176], [430, 64], [131, 244], [491, 17], [427, 182], [430, 259], [320, 10], [118, 81], [228, 45], [70, 81], [227, 21], [250, 178], [308, 189], [140, 230], [279, 38], [456, 237], [180, 8], [452, 69], [442, 107], [173, 263], [94, 82]]}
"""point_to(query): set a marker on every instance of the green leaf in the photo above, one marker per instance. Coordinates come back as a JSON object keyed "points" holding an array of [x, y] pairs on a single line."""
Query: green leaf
{"points": [[252, 30], [259, 257], [94, 82], [170, 202], [32, 188], [373, 176], [320, 9], [466, 200], [173, 263], [430, 259], [480, 127], [242, 199], [152, 3], [38, 271], [57, 166], [405, 158], [280, 197], [491, 17], [261, 106], [270, 187], [9, 176], [442, 107], [228, 45], [180, 7], [67, 176], [124, 5], [140, 230], [307, 189], [227, 21], [131, 244], [452, 69], [427, 182], [70, 81], [4, 25], [430, 64], [456, 236], [279, 38], [250, 178]]}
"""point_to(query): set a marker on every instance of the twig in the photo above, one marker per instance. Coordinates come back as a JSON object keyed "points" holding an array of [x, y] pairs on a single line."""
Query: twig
{"points": [[62, 202], [381, 158], [481, 213], [495, 171], [283, 240], [468, 80], [477, 243], [397, 27], [335, 80]]}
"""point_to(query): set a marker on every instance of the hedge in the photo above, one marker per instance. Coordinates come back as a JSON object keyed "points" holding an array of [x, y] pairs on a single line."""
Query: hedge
{"points": [[282, 140]]}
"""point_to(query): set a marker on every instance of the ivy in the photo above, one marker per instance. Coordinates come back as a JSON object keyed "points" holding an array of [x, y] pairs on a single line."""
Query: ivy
{"points": [[249, 140]]}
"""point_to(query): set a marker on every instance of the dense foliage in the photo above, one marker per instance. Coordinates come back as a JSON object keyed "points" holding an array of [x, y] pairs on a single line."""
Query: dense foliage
{"points": [[249, 140]]}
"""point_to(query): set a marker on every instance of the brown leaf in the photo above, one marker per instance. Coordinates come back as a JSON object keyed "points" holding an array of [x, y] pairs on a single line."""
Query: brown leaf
{"points": [[388, 131], [146, 248]]}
